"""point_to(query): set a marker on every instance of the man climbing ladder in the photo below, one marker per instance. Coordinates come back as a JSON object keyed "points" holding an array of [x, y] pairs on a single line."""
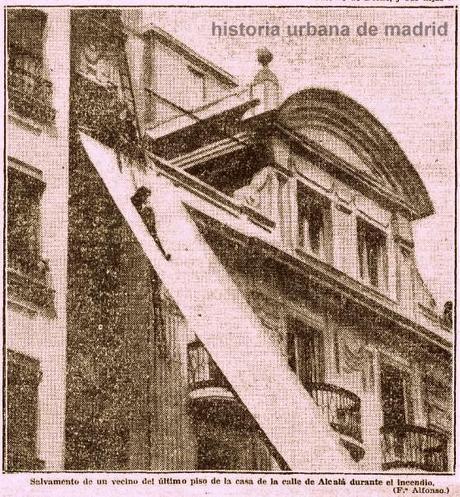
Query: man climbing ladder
{"points": [[139, 200]]}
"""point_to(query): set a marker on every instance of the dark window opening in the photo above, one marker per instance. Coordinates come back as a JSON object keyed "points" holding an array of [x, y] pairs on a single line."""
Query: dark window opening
{"points": [[23, 378], [305, 353], [232, 171], [396, 396], [405, 444], [216, 454], [438, 408], [372, 251], [26, 29], [23, 229], [314, 222], [202, 370], [225, 449]]}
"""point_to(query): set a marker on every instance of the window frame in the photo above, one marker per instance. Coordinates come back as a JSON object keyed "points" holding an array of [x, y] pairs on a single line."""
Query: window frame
{"points": [[364, 232], [309, 199], [410, 404], [31, 179], [299, 336], [39, 18], [436, 402], [23, 374], [104, 72], [30, 94]]}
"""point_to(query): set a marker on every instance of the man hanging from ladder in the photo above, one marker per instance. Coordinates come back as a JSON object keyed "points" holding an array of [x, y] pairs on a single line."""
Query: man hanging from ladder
{"points": [[139, 200]]}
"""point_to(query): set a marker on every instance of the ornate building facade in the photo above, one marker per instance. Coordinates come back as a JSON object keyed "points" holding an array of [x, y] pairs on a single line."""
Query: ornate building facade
{"points": [[290, 320]]}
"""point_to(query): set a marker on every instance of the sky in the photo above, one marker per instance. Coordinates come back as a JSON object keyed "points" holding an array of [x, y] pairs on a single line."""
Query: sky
{"points": [[406, 82]]}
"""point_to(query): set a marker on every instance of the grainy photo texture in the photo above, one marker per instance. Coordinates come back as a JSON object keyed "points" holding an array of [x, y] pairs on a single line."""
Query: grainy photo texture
{"points": [[240, 269]]}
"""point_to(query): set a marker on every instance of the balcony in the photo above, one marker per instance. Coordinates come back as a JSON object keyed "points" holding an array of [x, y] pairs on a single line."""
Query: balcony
{"points": [[203, 371], [211, 398], [27, 282], [341, 407], [29, 94], [414, 447]]}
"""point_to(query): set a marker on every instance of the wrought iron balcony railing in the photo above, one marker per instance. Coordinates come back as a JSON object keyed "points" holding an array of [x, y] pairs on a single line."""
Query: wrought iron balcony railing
{"points": [[28, 282], [342, 408], [29, 94], [416, 447], [202, 370]]}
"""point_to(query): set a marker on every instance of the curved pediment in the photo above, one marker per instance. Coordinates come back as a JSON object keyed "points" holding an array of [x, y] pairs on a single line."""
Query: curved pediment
{"points": [[339, 145], [344, 129]]}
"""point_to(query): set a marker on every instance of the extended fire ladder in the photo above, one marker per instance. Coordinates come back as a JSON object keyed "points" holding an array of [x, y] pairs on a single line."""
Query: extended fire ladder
{"points": [[217, 311]]}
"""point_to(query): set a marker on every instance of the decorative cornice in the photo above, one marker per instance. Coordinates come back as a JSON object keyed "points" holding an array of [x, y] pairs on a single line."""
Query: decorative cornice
{"points": [[342, 288], [212, 151]]}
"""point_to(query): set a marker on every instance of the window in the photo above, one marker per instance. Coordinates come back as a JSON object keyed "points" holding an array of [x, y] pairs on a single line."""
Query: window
{"points": [[405, 444], [314, 222], [437, 405], [396, 396], [25, 40], [372, 251], [216, 454], [305, 353], [23, 378], [23, 231], [29, 93]]}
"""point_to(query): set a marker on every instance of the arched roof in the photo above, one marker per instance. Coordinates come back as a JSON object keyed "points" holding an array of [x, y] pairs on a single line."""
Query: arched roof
{"points": [[326, 112]]}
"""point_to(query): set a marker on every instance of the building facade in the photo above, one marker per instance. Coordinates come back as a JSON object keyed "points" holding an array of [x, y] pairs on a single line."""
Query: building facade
{"points": [[37, 208], [300, 210]]}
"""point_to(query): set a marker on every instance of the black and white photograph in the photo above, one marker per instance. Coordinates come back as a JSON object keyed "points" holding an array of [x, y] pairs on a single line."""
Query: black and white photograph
{"points": [[229, 249]]}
